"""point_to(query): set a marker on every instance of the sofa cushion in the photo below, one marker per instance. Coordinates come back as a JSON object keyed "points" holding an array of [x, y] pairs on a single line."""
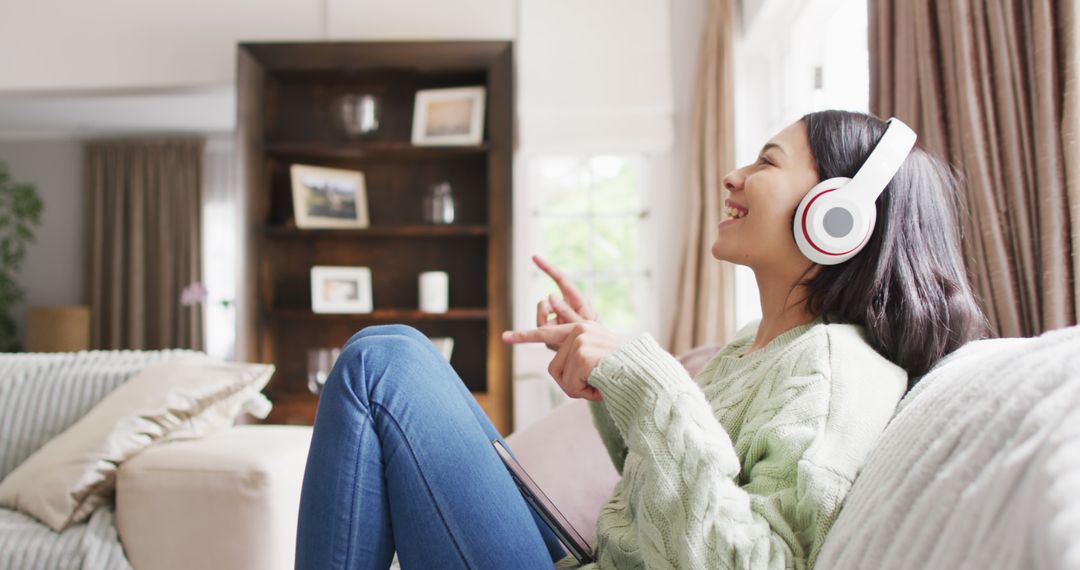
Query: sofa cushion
{"points": [[72, 474], [25, 543], [41, 395], [978, 468], [229, 500]]}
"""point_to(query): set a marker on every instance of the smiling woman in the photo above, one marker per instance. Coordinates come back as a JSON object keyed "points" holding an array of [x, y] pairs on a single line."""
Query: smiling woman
{"points": [[909, 289]]}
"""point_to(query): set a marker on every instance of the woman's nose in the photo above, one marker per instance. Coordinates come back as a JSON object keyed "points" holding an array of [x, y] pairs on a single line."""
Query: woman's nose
{"points": [[733, 182]]}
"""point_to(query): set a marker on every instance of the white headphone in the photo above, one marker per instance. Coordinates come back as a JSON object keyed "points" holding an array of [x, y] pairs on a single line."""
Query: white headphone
{"points": [[835, 218]]}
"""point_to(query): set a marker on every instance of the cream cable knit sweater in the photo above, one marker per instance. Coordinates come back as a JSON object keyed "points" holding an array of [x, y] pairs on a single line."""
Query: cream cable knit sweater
{"points": [[747, 464]]}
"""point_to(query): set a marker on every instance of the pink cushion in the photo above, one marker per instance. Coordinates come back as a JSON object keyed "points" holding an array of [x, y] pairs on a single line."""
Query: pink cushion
{"points": [[564, 455]]}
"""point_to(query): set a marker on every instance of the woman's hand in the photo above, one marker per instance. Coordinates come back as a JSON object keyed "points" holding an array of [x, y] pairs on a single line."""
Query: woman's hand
{"points": [[579, 347], [574, 307]]}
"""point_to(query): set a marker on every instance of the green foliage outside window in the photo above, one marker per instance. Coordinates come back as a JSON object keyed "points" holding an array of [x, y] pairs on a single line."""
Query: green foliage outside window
{"points": [[590, 217]]}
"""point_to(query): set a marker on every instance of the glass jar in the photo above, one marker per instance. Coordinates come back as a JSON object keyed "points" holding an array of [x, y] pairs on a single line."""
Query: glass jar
{"points": [[359, 114], [439, 204]]}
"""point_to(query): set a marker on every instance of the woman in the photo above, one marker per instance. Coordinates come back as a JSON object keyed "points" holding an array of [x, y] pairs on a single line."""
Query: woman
{"points": [[746, 465]]}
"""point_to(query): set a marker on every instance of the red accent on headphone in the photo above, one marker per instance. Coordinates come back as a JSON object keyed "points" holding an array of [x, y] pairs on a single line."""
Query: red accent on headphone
{"points": [[806, 211]]}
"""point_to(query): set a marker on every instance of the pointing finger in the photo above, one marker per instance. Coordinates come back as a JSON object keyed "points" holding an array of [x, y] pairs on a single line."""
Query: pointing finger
{"points": [[569, 291], [548, 334]]}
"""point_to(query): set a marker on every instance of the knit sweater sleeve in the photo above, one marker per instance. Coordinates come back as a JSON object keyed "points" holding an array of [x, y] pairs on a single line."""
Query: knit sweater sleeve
{"points": [[609, 434], [692, 507]]}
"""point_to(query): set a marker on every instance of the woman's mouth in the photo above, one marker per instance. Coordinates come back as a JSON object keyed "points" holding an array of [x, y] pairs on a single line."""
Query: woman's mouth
{"points": [[733, 213]]}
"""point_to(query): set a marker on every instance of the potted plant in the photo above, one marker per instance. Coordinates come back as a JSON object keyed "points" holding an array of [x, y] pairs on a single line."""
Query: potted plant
{"points": [[20, 212]]}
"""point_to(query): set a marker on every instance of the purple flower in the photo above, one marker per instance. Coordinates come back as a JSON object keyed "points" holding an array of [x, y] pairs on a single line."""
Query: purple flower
{"points": [[193, 294]]}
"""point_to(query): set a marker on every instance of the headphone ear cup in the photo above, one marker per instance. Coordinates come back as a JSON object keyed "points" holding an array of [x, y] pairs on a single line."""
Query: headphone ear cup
{"points": [[807, 235], [825, 222]]}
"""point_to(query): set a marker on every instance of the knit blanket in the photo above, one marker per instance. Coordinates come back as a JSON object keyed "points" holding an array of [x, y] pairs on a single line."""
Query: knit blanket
{"points": [[979, 468]]}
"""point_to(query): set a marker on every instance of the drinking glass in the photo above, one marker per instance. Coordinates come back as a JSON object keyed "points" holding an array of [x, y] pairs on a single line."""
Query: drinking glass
{"points": [[359, 114], [438, 204], [320, 363]]}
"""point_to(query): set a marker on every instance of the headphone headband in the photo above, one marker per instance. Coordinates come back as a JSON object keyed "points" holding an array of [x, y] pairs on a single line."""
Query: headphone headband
{"points": [[835, 218], [883, 163]]}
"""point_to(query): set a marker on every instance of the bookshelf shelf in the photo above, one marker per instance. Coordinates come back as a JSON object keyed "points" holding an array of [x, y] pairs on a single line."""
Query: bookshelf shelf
{"points": [[370, 151], [379, 315], [414, 230]]}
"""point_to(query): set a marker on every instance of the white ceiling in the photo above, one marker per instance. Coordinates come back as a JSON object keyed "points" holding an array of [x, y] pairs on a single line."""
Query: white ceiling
{"points": [[79, 115]]}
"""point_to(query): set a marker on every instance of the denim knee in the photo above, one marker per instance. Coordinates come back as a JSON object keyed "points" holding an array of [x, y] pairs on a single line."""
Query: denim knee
{"points": [[395, 328], [375, 347]]}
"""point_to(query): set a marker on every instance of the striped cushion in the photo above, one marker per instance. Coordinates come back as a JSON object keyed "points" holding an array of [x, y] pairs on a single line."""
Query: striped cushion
{"points": [[26, 543], [42, 394]]}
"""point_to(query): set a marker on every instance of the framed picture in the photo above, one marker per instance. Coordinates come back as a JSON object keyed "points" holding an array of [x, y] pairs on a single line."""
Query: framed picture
{"points": [[328, 197], [449, 116], [336, 289]]}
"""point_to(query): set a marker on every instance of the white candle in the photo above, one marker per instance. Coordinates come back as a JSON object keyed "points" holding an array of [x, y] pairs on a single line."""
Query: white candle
{"points": [[434, 291]]}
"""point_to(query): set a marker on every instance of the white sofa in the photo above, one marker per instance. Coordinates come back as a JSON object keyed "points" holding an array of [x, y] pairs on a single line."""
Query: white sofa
{"points": [[979, 468]]}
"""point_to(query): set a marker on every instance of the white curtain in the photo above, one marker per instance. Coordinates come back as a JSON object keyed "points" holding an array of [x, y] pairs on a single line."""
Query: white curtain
{"points": [[222, 227]]}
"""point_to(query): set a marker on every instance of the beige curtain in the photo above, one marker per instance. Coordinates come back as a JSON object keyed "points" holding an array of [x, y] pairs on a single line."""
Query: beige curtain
{"points": [[144, 241], [1070, 135], [991, 85], [705, 311]]}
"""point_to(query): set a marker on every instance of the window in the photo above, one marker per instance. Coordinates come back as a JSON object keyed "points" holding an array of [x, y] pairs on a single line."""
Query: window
{"points": [[589, 211], [221, 234], [589, 215]]}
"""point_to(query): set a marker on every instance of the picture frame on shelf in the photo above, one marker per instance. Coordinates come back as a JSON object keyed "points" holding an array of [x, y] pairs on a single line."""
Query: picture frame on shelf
{"points": [[341, 289], [453, 116], [328, 197]]}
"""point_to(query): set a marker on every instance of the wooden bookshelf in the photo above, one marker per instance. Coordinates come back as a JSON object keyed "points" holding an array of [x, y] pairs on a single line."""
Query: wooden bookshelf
{"points": [[285, 97]]}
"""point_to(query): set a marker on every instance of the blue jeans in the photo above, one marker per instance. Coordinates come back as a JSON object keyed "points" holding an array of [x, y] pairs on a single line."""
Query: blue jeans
{"points": [[401, 459]]}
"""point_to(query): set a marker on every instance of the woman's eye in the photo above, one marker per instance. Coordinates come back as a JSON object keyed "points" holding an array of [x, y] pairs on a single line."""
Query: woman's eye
{"points": [[764, 160]]}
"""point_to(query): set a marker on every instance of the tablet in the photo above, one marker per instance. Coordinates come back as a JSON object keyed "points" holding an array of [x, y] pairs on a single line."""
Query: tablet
{"points": [[543, 506]]}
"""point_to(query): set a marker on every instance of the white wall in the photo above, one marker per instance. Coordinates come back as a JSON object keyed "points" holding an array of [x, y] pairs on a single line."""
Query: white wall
{"points": [[421, 19], [50, 45], [123, 44], [52, 272]]}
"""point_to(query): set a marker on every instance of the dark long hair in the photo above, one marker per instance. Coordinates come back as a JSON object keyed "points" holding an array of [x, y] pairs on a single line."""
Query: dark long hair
{"points": [[908, 287]]}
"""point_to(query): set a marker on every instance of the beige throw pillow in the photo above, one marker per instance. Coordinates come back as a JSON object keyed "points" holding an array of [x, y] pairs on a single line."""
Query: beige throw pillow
{"points": [[75, 472]]}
